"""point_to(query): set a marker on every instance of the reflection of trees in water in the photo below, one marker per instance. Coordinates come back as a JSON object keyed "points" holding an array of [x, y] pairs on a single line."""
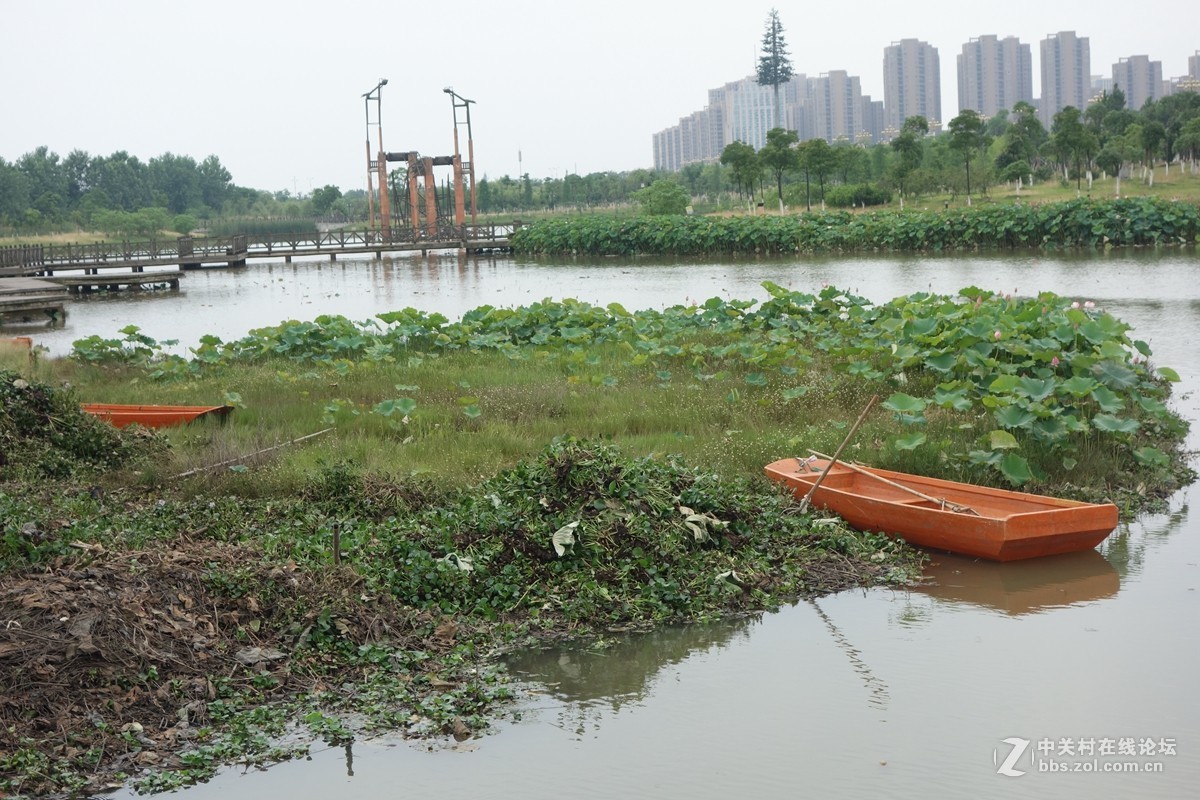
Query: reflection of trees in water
{"points": [[597, 680], [620, 671], [1126, 548], [594, 681]]}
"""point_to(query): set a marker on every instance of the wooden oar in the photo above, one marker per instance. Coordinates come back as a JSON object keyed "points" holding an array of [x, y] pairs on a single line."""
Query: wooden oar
{"points": [[808, 497], [940, 501]]}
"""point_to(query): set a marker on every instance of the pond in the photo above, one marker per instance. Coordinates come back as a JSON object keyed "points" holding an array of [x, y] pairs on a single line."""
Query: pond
{"points": [[1077, 671]]}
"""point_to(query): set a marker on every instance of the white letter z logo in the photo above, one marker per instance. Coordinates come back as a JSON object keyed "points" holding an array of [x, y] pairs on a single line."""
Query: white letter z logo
{"points": [[1018, 749]]}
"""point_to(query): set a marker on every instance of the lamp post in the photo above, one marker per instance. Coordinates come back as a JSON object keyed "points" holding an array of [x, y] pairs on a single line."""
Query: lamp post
{"points": [[371, 166], [457, 101]]}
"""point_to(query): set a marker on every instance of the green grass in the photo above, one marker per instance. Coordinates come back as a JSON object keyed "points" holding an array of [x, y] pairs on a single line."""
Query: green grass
{"points": [[717, 422], [522, 406]]}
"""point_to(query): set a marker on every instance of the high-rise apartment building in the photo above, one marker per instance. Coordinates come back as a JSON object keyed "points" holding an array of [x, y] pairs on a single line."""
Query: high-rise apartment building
{"points": [[1194, 66], [1139, 78], [694, 139], [1066, 74], [912, 83], [837, 106], [994, 74], [830, 107], [748, 111]]}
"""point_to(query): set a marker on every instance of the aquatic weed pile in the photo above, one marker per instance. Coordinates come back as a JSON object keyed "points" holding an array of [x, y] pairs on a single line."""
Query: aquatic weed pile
{"points": [[45, 434], [583, 536]]}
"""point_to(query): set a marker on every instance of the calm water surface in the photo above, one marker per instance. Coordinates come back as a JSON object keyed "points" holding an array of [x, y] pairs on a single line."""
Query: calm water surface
{"points": [[870, 693]]}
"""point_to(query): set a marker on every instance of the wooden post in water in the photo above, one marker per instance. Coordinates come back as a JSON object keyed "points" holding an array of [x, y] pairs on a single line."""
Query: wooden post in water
{"points": [[385, 206], [414, 205], [430, 199]]}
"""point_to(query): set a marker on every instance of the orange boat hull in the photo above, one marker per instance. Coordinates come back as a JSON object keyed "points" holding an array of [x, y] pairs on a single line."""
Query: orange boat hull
{"points": [[152, 416], [1006, 525]]}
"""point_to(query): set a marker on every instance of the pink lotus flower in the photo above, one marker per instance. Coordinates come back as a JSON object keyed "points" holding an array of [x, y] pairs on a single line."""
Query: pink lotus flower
{"points": [[1075, 304], [1054, 361], [1089, 304], [997, 334]]}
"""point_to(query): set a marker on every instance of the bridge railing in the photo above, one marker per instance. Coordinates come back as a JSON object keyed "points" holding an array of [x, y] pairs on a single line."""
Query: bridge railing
{"points": [[21, 255], [37, 258]]}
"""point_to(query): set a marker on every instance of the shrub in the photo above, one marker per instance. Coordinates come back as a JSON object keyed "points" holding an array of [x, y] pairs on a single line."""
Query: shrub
{"points": [[862, 194]]}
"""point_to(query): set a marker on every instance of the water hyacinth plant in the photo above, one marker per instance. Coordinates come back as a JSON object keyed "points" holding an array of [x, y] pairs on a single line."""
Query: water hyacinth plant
{"points": [[1075, 223], [1021, 387]]}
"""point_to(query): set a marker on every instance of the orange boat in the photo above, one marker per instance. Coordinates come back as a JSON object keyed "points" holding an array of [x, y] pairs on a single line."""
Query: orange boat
{"points": [[946, 515], [22, 344], [152, 416]]}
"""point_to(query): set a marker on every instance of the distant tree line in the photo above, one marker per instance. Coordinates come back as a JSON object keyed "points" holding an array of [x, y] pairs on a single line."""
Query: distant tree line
{"points": [[123, 195], [592, 192]]}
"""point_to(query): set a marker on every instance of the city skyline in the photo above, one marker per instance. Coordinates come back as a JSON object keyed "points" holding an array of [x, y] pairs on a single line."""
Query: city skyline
{"points": [[993, 74]]}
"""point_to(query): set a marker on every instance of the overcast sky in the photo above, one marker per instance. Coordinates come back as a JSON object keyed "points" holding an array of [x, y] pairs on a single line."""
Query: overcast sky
{"points": [[274, 89]]}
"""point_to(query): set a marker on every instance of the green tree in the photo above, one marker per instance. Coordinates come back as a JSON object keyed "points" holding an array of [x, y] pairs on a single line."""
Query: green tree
{"points": [[123, 179], [774, 63], [997, 124], [183, 224], [1097, 112], [1072, 141], [214, 181], [852, 163], [1116, 153], [662, 197], [174, 182], [779, 156], [1154, 139], [743, 162], [1023, 138], [817, 160], [49, 185], [968, 138], [909, 150], [14, 193], [1172, 112], [76, 166], [324, 198], [1188, 141]]}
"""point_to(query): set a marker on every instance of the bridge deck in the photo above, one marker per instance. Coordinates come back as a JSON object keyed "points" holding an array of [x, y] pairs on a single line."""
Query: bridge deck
{"points": [[29, 300]]}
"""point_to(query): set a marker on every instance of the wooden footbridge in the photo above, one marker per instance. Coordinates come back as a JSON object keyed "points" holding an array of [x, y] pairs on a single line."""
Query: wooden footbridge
{"points": [[34, 279]]}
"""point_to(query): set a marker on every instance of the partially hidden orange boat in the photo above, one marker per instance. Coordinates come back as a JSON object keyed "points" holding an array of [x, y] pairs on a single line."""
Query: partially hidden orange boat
{"points": [[979, 521], [152, 416]]}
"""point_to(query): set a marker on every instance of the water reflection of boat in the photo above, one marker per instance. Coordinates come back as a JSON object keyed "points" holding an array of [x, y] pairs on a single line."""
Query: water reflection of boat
{"points": [[1022, 587]]}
